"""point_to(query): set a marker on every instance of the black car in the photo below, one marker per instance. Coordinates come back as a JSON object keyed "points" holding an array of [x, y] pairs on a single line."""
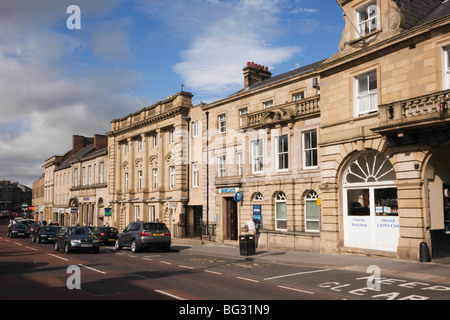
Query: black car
{"points": [[107, 235], [140, 235], [18, 230], [76, 238], [45, 234]]}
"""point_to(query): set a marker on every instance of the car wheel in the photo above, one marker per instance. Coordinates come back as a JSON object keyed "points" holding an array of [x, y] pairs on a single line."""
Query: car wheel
{"points": [[56, 246], [117, 245], [66, 248], [134, 247]]}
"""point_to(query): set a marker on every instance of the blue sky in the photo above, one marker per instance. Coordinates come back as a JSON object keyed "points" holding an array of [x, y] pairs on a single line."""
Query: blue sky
{"points": [[56, 82]]}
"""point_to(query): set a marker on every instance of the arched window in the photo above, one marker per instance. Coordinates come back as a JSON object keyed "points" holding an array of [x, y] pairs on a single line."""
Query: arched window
{"points": [[369, 166], [312, 212], [258, 197], [280, 211]]}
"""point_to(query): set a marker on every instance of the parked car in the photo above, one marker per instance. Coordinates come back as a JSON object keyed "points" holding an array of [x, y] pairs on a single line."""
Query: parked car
{"points": [[107, 235], [18, 230], [76, 238], [33, 227], [141, 235], [45, 234]]}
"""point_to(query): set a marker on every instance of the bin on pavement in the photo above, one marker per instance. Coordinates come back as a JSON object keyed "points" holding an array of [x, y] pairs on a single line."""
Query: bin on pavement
{"points": [[247, 245]]}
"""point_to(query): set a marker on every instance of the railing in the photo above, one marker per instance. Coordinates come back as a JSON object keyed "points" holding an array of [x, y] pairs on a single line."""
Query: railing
{"points": [[282, 112], [410, 110]]}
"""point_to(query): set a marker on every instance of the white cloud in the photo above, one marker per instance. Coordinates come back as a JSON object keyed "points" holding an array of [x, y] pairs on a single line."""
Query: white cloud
{"points": [[47, 94], [221, 36]]}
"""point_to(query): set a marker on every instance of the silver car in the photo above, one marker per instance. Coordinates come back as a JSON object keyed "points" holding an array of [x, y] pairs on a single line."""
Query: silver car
{"points": [[142, 235]]}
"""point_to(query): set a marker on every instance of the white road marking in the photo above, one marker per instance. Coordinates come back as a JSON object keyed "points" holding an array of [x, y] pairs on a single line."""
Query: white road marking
{"points": [[170, 295], [213, 272], [298, 290], [247, 279], [93, 269], [186, 267], [297, 274], [54, 255]]}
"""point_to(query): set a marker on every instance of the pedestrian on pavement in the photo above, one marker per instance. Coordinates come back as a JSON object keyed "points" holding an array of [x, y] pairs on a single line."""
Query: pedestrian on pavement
{"points": [[251, 226]]}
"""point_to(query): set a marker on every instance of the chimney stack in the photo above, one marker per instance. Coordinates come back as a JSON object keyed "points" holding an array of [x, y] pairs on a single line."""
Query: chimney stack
{"points": [[254, 73]]}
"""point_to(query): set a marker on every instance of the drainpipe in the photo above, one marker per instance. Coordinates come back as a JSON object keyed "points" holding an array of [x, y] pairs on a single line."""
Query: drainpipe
{"points": [[207, 174], [188, 119]]}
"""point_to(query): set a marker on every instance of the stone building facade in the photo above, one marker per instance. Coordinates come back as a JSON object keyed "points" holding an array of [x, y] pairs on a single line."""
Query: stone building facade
{"points": [[384, 130], [148, 164]]}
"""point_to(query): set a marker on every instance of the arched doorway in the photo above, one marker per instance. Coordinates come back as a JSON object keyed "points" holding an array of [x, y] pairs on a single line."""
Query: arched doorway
{"points": [[370, 203]]}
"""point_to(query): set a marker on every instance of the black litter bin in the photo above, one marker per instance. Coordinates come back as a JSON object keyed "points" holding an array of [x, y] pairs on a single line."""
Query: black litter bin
{"points": [[247, 245]]}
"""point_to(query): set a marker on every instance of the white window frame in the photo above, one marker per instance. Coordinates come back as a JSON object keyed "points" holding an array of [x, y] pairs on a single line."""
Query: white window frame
{"points": [[195, 175], [195, 128], [298, 96], [155, 179], [257, 157], [140, 144], [126, 181], [152, 213], [366, 101], [311, 198], [137, 213], [367, 24], [282, 153], [139, 180], [280, 198], [222, 123], [221, 166], [446, 67], [239, 164], [102, 172], [172, 177], [268, 104], [75, 177], [172, 135], [155, 140], [309, 151]]}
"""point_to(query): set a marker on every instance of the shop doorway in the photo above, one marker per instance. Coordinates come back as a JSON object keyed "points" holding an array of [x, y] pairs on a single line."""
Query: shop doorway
{"points": [[232, 219], [437, 174], [370, 203]]}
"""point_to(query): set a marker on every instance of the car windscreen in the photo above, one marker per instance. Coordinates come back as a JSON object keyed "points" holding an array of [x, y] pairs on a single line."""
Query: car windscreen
{"points": [[79, 231], [20, 226], [48, 229]]}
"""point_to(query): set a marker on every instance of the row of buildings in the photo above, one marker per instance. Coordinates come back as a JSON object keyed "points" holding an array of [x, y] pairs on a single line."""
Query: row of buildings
{"points": [[345, 155]]}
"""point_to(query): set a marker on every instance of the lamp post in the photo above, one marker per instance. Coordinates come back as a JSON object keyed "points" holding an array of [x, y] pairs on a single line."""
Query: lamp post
{"points": [[188, 120]]}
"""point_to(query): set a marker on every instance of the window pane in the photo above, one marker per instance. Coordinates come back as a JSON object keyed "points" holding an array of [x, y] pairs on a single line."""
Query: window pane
{"points": [[362, 85], [358, 202], [372, 81], [281, 210], [386, 202]]}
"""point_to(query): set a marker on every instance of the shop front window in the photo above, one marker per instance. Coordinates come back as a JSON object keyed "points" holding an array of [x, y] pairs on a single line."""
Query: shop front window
{"points": [[370, 203]]}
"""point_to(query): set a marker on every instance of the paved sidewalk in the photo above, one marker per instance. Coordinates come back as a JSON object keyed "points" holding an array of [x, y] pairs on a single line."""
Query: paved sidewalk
{"points": [[436, 270]]}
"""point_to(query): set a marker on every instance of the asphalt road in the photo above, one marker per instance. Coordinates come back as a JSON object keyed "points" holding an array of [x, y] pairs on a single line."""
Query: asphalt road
{"points": [[36, 271]]}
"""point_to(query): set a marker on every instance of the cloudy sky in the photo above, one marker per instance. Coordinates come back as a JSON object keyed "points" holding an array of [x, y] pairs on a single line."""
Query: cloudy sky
{"points": [[56, 82]]}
